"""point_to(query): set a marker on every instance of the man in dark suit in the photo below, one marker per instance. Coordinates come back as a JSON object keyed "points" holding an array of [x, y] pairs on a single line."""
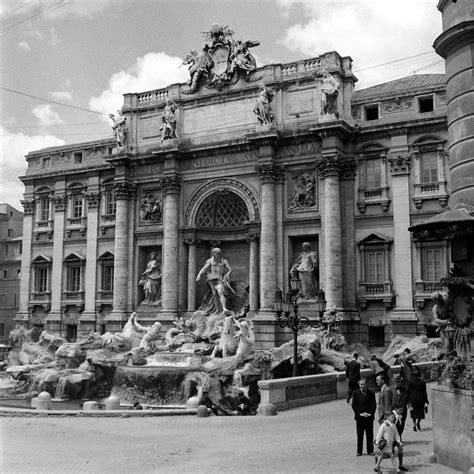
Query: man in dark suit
{"points": [[352, 375], [363, 404]]}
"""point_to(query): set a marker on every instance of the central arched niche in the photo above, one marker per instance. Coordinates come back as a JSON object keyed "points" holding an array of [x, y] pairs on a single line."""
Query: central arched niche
{"points": [[221, 220]]}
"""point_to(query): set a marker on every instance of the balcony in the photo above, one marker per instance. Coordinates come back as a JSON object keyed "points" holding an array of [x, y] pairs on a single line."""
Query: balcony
{"points": [[375, 292], [424, 291], [435, 190], [73, 298], [40, 299]]}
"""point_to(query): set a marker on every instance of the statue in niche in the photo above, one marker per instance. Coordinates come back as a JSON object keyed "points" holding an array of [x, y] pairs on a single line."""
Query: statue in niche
{"points": [[329, 91], [262, 108], [151, 281], [307, 266], [168, 118], [120, 129], [198, 65], [442, 318], [304, 192], [217, 270], [150, 208]]}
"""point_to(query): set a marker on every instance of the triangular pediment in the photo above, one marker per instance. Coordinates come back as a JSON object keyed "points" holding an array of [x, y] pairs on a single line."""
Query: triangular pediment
{"points": [[107, 256], [42, 259], [375, 238], [74, 257]]}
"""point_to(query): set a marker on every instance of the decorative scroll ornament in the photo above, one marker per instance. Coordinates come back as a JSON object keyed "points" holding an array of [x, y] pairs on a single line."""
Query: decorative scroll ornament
{"points": [[397, 105], [124, 190], [270, 173], [221, 60], [59, 201], [171, 184], [28, 206], [399, 164]]}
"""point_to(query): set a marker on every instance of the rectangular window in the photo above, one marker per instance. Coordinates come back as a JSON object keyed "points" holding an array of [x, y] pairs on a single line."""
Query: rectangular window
{"points": [[71, 332], [46, 162], [74, 279], [16, 299], [432, 264], [20, 248], [371, 112], [429, 167], [108, 277], [44, 209], [78, 158], [375, 267], [10, 232], [6, 250], [18, 273], [111, 204], [425, 104], [372, 174], [2, 329], [5, 274], [41, 279], [376, 336], [3, 301], [76, 206]]}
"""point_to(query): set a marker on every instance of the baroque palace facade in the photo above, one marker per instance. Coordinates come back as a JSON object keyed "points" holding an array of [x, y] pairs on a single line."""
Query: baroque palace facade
{"points": [[195, 166]]}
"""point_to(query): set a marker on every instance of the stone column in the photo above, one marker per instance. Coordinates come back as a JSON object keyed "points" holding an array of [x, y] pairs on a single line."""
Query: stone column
{"points": [[269, 175], [329, 170], [402, 258], [191, 300], [88, 319], [23, 315], [55, 315], [456, 45], [253, 271], [124, 190], [171, 186]]}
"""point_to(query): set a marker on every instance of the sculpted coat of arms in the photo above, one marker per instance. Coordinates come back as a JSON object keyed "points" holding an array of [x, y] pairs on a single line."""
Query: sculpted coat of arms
{"points": [[221, 60]]}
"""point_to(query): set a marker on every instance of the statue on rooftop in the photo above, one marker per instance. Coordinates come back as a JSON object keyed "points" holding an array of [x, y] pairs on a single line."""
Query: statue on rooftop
{"points": [[120, 129], [262, 108], [168, 118], [329, 91]]}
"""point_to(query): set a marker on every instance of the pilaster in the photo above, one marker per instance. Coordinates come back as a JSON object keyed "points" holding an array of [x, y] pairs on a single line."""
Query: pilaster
{"points": [[192, 269], [252, 239], [402, 258]]}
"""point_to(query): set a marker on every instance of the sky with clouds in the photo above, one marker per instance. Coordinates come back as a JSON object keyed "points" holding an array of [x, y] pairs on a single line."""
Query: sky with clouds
{"points": [[86, 53]]}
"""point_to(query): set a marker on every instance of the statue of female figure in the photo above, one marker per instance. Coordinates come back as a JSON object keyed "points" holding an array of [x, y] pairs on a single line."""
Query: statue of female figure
{"points": [[119, 128], [262, 108], [151, 280], [307, 265], [168, 117]]}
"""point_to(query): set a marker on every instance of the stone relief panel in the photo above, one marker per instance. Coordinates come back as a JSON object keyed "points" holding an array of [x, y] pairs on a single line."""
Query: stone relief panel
{"points": [[151, 211], [149, 127], [398, 105], [302, 194], [300, 103]]}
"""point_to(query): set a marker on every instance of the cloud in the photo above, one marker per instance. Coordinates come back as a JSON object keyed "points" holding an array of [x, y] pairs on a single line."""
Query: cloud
{"points": [[13, 148], [150, 72], [62, 95], [24, 45], [46, 115], [53, 37], [82, 8], [370, 32]]}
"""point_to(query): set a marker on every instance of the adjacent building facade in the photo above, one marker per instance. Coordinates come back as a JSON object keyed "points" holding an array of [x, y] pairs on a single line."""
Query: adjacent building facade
{"points": [[348, 172], [11, 223]]}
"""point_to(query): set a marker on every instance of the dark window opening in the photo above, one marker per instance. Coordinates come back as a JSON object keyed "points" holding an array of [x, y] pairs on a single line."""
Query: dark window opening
{"points": [[372, 112], [78, 158], [377, 336], [71, 332], [431, 332], [425, 104]]}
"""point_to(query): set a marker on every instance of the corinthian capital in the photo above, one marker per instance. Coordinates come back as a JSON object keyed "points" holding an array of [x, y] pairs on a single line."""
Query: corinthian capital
{"points": [[28, 206], [171, 184], [331, 165], [124, 189], [59, 201], [270, 173], [399, 164], [93, 198]]}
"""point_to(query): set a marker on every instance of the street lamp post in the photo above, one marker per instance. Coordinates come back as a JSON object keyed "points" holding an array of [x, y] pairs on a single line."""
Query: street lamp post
{"points": [[284, 308]]}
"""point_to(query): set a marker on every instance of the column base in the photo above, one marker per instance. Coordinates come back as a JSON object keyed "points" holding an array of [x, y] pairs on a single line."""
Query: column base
{"points": [[53, 322], [87, 323], [265, 329], [21, 319], [115, 321]]}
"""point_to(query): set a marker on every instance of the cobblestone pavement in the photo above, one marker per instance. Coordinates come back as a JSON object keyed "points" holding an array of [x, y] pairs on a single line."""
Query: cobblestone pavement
{"points": [[315, 439]]}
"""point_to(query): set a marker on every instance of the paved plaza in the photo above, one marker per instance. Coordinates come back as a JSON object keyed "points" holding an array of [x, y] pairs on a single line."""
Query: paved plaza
{"points": [[317, 439]]}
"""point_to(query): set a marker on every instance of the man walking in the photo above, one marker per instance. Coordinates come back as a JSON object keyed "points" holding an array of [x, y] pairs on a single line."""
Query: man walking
{"points": [[385, 396], [352, 375], [363, 404]]}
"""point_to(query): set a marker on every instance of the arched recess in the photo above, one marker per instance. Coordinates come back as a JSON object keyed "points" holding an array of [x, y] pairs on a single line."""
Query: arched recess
{"points": [[219, 186]]}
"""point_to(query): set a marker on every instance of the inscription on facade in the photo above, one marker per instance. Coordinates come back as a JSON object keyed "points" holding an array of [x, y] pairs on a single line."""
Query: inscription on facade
{"points": [[300, 102], [211, 117], [310, 148], [146, 170], [150, 127], [218, 160]]}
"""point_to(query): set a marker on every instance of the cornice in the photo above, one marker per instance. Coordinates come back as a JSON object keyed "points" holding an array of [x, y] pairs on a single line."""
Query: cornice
{"points": [[454, 38]]}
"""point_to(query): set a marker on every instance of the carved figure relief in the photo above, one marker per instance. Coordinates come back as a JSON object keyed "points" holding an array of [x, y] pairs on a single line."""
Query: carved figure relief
{"points": [[221, 59], [150, 207], [397, 105], [303, 192]]}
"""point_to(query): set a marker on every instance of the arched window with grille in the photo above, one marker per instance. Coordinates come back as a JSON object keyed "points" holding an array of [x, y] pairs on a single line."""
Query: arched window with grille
{"points": [[223, 210]]}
